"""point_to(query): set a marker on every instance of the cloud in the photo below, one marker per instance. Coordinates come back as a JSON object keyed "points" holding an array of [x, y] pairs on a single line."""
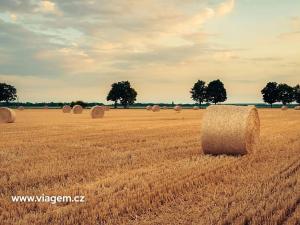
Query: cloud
{"points": [[225, 7], [294, 33], [46, 6]]}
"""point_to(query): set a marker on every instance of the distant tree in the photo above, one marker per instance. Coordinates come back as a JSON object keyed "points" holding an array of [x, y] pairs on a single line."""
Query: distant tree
{"points": [[270, 93], [8, 93], [216, 92], [82, 103], [199, 92], [123, 92], [286, 94], [114, 93], [297, 93]]}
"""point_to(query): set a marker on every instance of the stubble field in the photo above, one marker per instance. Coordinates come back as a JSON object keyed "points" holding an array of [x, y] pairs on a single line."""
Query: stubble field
{"points": [[139, 167]]}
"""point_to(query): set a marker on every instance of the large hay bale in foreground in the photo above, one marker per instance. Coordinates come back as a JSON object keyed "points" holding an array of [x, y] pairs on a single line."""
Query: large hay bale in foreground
{"points": [[284, 107], [21, 108], [230, 130], [97, 111], [156, 108], [7, 115], [66, 109], [297, 108], [77, 109], [149, 107], [195, 107], [177, 108]]}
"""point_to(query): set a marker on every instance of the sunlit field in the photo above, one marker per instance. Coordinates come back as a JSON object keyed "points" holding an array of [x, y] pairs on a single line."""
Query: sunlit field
{"points": [[140, 167]]}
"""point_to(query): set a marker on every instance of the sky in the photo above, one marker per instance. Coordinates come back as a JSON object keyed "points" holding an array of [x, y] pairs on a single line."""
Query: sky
{"points": [[74, 50]]}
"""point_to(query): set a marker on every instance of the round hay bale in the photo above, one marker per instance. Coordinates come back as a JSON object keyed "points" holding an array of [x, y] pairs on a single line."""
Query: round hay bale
{"points": [[297, 108], [284, 107], [177, 108], [21, 108], [66, 109], [77, 109], [230, 130], [149, 107], [7, 115], [165, 107], [156, 108], [97, 111], [46, 107], [195, 107]]}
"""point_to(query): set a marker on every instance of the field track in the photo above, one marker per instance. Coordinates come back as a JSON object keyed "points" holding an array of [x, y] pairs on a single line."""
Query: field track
{"points": [[139, 167]]}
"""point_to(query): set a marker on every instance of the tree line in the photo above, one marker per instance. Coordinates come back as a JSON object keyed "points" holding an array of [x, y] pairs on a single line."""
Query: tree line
{"points": [[214, 92], [274, 92]]}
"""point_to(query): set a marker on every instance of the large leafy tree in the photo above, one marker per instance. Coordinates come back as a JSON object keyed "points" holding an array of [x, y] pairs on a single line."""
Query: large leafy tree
{"points": [[270, 93], [123, 92], [114, 93], [199, 92], [8, 93], [285, 94], [297, 93], [216, 92]]}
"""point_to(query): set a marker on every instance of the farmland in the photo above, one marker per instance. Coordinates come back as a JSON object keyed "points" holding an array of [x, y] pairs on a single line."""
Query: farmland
{"points": [[139, 167]]}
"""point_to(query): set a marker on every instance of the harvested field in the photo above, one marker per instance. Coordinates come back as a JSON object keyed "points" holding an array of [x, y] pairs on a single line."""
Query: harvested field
{"points": [[142, 168]]}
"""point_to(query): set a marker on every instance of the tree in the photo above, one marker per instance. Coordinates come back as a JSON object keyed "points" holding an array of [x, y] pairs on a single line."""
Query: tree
{"points": [[215, 92], [123, 92], [297, 93], [270, 93], [8, 93], [114, 93], [285, 94], [199, 92], [83, 104]]}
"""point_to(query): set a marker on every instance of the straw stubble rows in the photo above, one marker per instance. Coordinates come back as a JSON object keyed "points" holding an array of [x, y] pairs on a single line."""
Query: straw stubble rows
{"points": [[140, 167]]}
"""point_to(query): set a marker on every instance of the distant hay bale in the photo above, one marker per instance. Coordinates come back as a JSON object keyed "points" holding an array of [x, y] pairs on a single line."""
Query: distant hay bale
{"points": [[165, 107], [297, 108], [46, 107], [66, 109], [230, 130], [149, 107], [97, 111], [284, 107], [77, 109], [177, 108], [21, 108], [7, 115], [156, 108], [195, 107]]}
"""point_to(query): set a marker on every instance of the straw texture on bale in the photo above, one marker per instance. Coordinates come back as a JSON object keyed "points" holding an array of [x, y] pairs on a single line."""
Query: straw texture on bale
{"points": [[284, 107], [156, 108], [195, 107], [66, 109], [97, 111], [230, 130], [177, 108], [77, 109], [297, 108], [7, 115], [149, 107], [21, 108]]}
